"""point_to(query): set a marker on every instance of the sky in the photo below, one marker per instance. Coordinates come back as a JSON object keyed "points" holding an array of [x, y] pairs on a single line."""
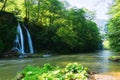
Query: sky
{"points": [[99, 6]]}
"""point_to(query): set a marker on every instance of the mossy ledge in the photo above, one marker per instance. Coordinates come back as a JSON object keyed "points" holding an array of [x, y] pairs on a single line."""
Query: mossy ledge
{"points": [[114, 58]]}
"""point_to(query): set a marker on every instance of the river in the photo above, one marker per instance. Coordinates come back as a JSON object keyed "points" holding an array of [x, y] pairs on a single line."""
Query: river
{"points": [[97, 62]]}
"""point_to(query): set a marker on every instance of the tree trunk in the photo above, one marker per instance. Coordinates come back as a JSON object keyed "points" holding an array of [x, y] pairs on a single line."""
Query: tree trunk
{"points": [[38, 9], [26, 12]]}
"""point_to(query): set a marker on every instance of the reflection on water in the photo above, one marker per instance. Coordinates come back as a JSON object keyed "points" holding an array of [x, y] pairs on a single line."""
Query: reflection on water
{"points": [[97, 62]]}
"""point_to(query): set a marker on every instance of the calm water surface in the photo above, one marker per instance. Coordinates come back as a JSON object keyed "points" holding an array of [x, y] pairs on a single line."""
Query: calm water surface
{"points": [[98, 62]]}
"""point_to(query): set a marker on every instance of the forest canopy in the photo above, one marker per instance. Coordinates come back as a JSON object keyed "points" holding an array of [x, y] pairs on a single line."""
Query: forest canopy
{"points": [[52, 25], [114, 26]]}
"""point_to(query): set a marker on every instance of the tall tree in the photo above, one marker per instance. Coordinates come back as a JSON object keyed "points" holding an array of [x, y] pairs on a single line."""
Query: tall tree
{"points": [[114, 26], [38, 9], [56, 27]]}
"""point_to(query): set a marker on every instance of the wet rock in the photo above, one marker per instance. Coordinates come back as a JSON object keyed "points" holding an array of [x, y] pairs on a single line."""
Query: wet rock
{"points": [[46, 55], [10, 54], [91, 76], [28, 55], [19, 77]]}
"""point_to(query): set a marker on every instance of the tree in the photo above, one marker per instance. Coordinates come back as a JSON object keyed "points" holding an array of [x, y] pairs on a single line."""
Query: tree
{"points": [[92, 37], [114, 26], [4, 5], [8, 25], [55, 27]]}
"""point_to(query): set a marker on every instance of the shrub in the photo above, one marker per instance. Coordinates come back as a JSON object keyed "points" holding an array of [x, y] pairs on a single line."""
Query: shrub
{"points": [[73, 71]]}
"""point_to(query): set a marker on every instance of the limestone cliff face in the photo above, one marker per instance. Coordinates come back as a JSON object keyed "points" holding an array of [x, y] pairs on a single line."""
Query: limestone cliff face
{"points": [[8, 24]]}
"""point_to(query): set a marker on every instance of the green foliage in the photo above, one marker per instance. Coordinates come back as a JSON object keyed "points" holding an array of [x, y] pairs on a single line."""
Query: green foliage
{"points": [[106, 44], [75, 68], [73, 71], [32, 73], [7, 30], [72, 35], [114, 27], [53, 27]]}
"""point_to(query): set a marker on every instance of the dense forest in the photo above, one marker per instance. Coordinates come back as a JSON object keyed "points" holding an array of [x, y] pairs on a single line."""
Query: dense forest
{"points": [[52, 25], [114, 26], [60, 35]]}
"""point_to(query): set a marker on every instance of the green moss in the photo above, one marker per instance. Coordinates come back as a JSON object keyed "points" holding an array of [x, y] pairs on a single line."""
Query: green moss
{"points": [[114, 58]]}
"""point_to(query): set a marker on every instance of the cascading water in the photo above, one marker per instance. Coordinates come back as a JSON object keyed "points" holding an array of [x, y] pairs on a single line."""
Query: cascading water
{"points": [[29, 41], [20, 33], [19, 41]]}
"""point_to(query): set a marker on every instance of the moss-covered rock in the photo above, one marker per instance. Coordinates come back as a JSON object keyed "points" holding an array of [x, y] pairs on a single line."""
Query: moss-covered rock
{"points": [[114, 58]]}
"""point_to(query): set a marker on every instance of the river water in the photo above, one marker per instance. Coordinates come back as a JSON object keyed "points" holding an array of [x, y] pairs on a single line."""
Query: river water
{"points": [[97, 62]]}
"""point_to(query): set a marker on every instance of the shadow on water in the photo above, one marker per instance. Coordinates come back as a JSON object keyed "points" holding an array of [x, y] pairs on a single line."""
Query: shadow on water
{"points": [[97, 62]]}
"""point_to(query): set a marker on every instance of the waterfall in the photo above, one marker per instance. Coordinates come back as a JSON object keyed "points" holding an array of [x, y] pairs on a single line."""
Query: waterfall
{"points": [[20, 33], [19, 45], [19, 41], [29, 40]]}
